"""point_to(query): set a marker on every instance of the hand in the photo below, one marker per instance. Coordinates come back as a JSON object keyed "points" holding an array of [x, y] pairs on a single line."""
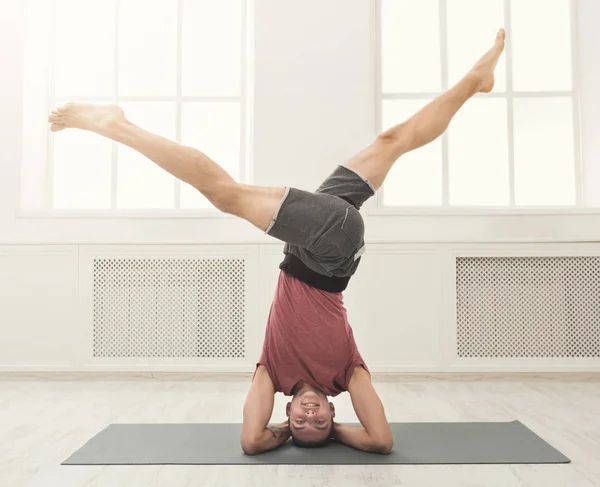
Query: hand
{"points": [[281, 430], [285, 425], [334, 430]]}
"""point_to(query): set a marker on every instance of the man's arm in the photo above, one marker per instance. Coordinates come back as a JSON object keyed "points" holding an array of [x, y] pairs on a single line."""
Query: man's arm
{"points": [[257, 437], [375, 434]]}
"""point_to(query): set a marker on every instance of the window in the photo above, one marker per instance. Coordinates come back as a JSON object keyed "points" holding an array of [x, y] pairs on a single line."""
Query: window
{"points": [[177, 67], [515, 147]]}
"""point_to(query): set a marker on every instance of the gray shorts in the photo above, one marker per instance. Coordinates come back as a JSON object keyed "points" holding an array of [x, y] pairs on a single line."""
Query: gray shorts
{"points": [[325, 229]]}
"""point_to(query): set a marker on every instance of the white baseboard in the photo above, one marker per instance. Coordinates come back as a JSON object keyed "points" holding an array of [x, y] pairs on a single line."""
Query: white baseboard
{"points": [[375, 368], [526, 368]]}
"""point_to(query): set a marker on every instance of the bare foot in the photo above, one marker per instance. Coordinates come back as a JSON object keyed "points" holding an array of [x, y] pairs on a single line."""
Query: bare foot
{"points": [[484, 69], [95, 118]]}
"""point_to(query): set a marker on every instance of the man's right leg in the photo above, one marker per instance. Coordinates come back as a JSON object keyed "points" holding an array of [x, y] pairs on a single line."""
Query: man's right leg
{"points": [[257, 204], [375, 161]]}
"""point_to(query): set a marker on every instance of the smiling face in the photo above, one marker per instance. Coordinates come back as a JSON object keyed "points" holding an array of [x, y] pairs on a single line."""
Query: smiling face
{"points": [[310, 416]]}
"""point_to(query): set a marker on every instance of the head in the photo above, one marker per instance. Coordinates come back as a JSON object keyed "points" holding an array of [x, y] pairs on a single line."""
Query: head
{"points": [[310, 416]]}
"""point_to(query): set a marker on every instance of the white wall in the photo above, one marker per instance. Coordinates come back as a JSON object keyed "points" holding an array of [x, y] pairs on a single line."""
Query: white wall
{"points": [[314, 88], [589, 66], [401, 305], [314, 107]]}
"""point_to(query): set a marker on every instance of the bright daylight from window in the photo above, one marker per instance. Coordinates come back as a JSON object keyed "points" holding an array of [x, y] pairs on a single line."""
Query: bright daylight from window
{"points": [[514, 147], [175, 66]]}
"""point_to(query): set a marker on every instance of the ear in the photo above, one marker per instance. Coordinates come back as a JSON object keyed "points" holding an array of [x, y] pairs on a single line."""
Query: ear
{"points": [[332, 409], [288, 408]]}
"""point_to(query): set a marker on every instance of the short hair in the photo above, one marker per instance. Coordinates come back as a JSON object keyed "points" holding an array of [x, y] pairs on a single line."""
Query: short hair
{"points": [[310, 444]]}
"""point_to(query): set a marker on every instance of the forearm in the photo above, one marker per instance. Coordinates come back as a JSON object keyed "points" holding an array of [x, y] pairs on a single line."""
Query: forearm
{"points": [[271, 438], [358, 437]]}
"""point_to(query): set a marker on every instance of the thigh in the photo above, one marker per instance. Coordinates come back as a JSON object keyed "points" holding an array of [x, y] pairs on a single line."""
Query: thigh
{"points": [[348, 184], [257, 204], [320, 223], [374, 162]]}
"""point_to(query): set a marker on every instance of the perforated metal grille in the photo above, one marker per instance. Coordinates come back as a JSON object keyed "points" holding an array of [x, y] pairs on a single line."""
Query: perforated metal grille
{"points": [[163, 307], [528, 307]]}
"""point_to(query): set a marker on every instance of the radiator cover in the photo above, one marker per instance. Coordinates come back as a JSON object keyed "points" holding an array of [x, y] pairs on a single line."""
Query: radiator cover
{"points": [[528, 307], [169, 307]]}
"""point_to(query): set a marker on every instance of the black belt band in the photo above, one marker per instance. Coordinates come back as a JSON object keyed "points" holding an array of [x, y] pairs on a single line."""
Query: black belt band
{"points": [[293, 266]]}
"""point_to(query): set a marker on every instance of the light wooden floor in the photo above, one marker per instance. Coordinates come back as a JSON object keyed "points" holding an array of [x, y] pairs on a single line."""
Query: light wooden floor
{"points": [[43, 421]]}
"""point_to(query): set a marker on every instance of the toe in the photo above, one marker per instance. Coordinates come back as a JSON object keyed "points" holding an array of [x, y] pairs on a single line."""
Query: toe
{"points": [[56, 127]]}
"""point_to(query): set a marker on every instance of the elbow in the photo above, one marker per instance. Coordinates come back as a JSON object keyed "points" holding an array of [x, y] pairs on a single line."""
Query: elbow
{"points": [[386, 448], [250, 447], [384, 445]]}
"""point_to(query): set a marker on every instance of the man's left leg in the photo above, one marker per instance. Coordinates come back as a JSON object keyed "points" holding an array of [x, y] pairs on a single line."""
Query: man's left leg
{"points": [[375, 161], [256, 204]]}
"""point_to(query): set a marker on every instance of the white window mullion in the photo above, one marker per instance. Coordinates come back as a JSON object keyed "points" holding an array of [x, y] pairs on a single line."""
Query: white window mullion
{"points": [[51, 104], [577, 157], [444, 71], [173, 99], [244, 159], [115, 148], [179, 100], [510, 101], [493, 94], [379, 96]]}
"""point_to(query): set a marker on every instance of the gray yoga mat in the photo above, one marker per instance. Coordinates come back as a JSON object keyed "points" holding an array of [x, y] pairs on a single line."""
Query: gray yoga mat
{"points": [[219, 444]]}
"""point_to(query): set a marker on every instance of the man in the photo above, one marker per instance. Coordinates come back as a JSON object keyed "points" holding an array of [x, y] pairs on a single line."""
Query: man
{"points": [[309, 350]]}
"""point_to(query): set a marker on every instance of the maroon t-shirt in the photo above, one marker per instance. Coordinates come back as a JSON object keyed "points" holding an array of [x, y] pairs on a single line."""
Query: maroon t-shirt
{"points": [[309, 339]]}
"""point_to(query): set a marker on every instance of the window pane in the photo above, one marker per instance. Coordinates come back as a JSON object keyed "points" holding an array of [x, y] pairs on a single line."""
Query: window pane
{"points": [[410, 46], [148, 48], [468, 40], [416, 179], [542, 45], [84, 48], [478, 154], [141, 183], [82, 169], [212, 47], [213, 128], [544, 159]]}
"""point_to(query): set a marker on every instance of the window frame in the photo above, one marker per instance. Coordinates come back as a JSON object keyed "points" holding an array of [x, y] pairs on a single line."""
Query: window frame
{"points": [[246, 128], [379, 208]]}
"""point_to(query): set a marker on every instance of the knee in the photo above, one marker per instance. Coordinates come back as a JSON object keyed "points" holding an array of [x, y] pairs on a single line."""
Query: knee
{"points": [[399, 136], [226, 197]]}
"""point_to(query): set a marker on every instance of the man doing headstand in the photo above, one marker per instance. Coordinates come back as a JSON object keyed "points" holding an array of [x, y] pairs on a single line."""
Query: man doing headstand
{"points": [[309, 350]]}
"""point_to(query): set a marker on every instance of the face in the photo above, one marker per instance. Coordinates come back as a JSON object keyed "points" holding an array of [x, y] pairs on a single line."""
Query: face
{"points": [[310, 415]]}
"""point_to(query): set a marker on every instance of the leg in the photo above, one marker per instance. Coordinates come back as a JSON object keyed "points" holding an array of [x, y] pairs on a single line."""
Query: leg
{"points": [[254, 203], [375, 161]]}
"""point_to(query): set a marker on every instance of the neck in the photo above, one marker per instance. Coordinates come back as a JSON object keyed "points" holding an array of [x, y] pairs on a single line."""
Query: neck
{"points": [[303, 385]]}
